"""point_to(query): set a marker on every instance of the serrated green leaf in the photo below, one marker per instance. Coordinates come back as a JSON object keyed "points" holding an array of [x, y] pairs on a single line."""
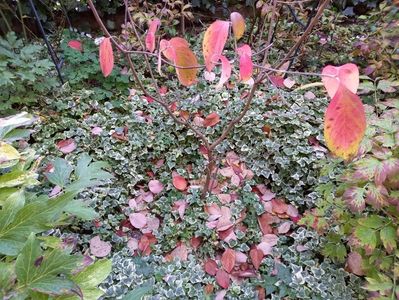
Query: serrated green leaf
{"points": [[53, 286], [11, 206], [372, 221], [367, 236], [381, 283], [7, 275], [81, 210], [25, 263]]}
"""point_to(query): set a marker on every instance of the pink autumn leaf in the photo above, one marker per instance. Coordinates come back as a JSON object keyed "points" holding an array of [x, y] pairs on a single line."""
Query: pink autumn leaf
{"points": [[55, 191], [226, 72], [209, 76], [228, 260], [76, 45], [211, 267], [347, 75], [180, 252], [354, 263], [227, 172], [211, 224], [153, 223], [179, 182], [213, 43], [256, 257], [138, 220], [99, 248], [148, 197], [155, 186], [211, 120], [96, 130], [224, 198], [220, 295], [284, 227], [66, 146], [227, 235], [213, 209], [270, 239], [265, 248], [235, 180], [106, 56], [241, 257], [289, 83], [222, 279], [181, 206], [224, 224], [292, 211], [133, 244], [246, 65], [150, 37]]}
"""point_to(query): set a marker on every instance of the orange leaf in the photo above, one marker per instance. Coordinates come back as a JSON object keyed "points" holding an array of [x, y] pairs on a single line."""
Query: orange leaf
{"points": [[186, 58], [179, 182], [167, 47], [177, 51], [228, 260], [347, 74], [214, 40], [256, 257], [226, 71], [150, 37], [246, 66], [238, 24], [222, 279], [344, 123], [106, 57], [211, 120]]}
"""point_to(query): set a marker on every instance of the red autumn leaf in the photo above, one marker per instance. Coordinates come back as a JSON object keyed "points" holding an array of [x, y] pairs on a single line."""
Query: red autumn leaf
{"points": [[179, 182], [264, 222], [246, 66], [354, 263], [150, 37], [66, 146], [195, 242], [344, 123], [222, 279], [145, 243], [226, 71], [211, 120], [214, 40], [238, 24], [347, 75], [76, 45], [228, 260], [99, 248], [277, 81], [138, 220], [279, 206], [256, 257], [106, 56], [211, 267]]}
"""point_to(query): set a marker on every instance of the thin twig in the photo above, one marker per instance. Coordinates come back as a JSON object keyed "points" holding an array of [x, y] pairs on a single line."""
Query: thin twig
{"points": [[270, 33]]}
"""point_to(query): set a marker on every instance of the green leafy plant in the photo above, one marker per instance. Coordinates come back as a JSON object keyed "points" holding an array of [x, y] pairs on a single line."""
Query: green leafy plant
{"points": [[39, 266], [27, 73], [362, 207]]}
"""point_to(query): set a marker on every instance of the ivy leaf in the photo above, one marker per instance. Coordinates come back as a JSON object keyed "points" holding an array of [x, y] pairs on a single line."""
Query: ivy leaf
{"points": [[367, 236], [388, 238], [344, 123], [106, 57]]}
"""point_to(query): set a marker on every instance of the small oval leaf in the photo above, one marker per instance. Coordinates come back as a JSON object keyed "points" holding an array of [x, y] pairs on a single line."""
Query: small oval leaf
{"points": [[238, 24], [106, 57], [214, 40]]}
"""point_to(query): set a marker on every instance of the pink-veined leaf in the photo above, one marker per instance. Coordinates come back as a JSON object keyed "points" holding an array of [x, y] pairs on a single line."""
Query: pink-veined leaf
{"points": [[99, 248], [256, 257], [214, 40], [226, 72], [228, 260], [210, 267], [155, 186], [138, 220], [347, 75], [246, 65], [106, 56], [344, 123], [179, 182], [150, 37], [222, 278], [76, 45], [238, 24], [66, 146]]}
